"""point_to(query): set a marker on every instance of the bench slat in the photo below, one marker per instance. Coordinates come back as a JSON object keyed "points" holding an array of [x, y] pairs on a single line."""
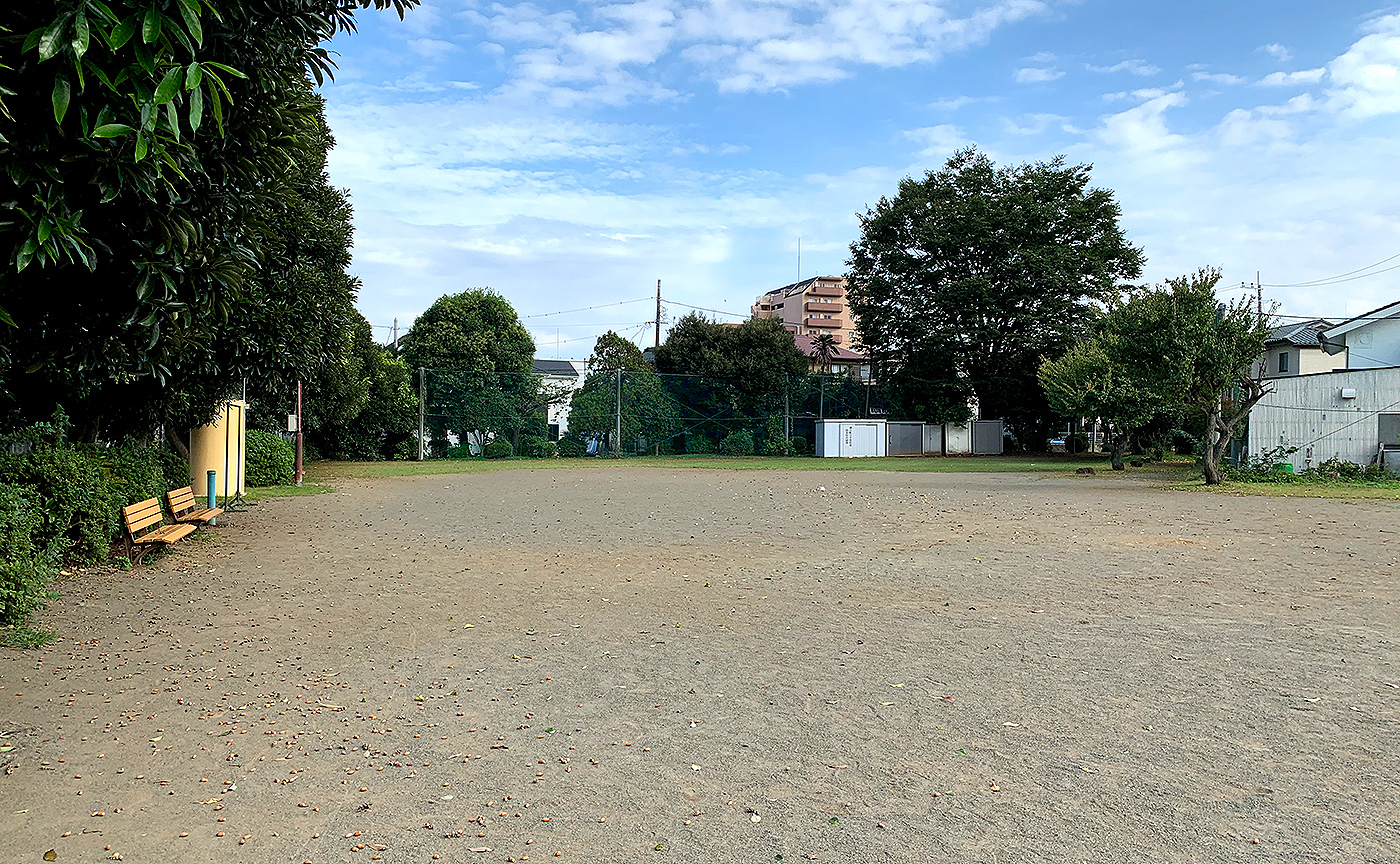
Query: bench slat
{"points": [[181, 498], [201, 515]]}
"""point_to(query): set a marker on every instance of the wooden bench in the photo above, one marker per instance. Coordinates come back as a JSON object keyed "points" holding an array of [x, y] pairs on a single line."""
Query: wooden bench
{"points": [[146, 528], [186, 508]]}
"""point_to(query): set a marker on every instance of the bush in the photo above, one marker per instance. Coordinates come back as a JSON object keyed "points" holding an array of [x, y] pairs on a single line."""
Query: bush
{"points": [[270, 460], [498, 449], [799, 445], [536, 447], [461, 451], [699, 444], [406, 450], [737, 444], [26, 568], [80, 510], [572, 447], [775, 443]]}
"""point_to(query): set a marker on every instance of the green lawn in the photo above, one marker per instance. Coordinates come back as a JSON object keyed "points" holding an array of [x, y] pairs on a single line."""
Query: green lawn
{"points": [[258, 493], [1303, 489], [330, 471]]}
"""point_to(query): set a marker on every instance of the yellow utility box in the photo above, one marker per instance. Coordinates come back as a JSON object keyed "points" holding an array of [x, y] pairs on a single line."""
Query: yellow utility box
{"points": [[220, 447]]}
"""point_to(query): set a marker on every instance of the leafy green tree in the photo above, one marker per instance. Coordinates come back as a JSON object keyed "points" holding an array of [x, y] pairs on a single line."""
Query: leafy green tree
{"points": [[618, 370], [1161, 355], [479, 358], [152, 149], [746, 367], [364, 406], [967, 277]]}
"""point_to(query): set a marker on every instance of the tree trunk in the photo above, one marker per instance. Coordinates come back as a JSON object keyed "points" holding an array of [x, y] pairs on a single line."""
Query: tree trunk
{"points": [[176, 443], [1117, 447]]}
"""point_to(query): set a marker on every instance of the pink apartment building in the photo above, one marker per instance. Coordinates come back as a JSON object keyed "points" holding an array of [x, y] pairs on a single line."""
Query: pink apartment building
{"points": [[811, 307]]}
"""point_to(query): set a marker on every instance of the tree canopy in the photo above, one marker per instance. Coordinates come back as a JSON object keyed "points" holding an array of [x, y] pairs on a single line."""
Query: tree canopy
{"points": [[164, 210], [1161, 354], [754, 360], [474, 331], [967, 277]]}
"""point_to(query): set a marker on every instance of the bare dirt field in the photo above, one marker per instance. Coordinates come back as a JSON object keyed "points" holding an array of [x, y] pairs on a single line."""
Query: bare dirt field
{"points": [[641, 664]]}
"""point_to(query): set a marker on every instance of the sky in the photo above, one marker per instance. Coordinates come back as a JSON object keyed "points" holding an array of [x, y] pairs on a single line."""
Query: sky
{"points": [[569, 155]]}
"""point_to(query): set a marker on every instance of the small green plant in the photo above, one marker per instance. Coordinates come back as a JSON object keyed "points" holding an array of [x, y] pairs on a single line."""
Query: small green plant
{"points": [[536, 447], [799, 445], [498, 449], [270, 460], [461, 451], [571, 447], [737, 444], [24, 636], [699, 444]]}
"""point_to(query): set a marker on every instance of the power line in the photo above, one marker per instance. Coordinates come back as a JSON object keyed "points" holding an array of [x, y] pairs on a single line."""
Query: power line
{"points": [[1342, 277], [584, 309], [703, 309]]}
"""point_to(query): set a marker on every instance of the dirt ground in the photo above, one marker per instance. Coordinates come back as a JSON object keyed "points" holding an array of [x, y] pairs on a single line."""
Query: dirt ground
{"points": [[623, 664]]}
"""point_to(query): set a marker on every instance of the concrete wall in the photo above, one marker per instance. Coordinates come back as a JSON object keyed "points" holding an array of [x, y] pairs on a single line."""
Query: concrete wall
{"points": [[1308, 412]]}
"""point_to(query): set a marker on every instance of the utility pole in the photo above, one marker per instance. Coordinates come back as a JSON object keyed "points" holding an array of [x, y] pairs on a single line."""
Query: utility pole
{"points": [[396, 337], [658, 313], [422, 401], [617, 443], [299, 472], [1259, 287]]}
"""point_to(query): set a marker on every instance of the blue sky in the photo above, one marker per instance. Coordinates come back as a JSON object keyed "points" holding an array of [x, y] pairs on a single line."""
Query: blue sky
{"points": [[570, 154]]}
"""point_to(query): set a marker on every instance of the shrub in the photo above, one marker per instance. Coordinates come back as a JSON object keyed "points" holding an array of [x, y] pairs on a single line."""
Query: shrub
{"points": [[536, 447], [79, 509], [775, 443], [406, 450], [270, 459], [461, 451], [737, 444], [699, 443], [498, 449], [572, 447], [26, 568], [799, 445]]}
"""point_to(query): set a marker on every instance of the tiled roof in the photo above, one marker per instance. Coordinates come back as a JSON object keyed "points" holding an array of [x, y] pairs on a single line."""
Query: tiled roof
{"points": [[838, 354], [1299, 333], [558, 368]]}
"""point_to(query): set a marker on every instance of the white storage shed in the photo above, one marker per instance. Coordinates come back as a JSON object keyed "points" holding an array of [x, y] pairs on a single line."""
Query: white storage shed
{"points": [[850, 438]]}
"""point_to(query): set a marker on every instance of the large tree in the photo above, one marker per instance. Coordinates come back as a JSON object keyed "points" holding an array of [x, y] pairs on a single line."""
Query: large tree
{"points": [[967, 277], [478, 359], [156, 151], [748, 365]]}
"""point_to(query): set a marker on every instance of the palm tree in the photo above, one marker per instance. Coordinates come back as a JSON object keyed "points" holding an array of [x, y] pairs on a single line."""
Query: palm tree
{"points": [[823, 349]]}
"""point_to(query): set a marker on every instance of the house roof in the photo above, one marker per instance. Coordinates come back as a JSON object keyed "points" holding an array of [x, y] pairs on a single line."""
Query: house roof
{"points": [[1299, 333], [1390, 310], [557, 368], [838, 354], [800, 287]]}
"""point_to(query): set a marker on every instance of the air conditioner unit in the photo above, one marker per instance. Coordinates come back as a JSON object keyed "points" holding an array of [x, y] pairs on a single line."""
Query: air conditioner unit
{"points": [[1348, 392]]}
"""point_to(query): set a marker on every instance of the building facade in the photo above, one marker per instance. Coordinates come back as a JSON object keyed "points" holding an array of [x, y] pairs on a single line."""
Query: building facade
{"points": [[1296, 349], [811, 307]]}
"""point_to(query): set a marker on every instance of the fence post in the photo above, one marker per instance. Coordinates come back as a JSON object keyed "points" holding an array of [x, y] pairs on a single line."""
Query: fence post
{"points": [[821, 397], [787, 410], [422, 400], [617, 445]]}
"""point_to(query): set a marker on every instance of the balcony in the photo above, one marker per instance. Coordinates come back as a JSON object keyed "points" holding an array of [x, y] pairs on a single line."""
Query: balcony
{"points": [[825, 323], [832, 289], [822, 306]]}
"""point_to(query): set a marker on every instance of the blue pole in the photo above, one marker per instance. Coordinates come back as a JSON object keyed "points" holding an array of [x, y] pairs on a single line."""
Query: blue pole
{"points": [[213, 498]]}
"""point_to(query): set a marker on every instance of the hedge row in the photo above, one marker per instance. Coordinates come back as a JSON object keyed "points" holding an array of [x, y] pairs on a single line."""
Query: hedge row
{"points": [[61, 502]]}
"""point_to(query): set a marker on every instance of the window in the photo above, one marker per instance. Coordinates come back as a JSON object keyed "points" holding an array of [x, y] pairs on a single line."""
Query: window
{"points": [[1283, 361]]}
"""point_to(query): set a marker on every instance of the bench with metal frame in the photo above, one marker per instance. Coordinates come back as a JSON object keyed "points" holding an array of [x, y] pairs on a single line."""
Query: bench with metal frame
{"points": [[146, 529], [186, 508]]}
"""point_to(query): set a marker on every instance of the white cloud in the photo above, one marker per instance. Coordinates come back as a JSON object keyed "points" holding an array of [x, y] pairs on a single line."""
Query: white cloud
{"points": [[608, 53], [1223, 78], [1037, 75], [1365, 81], [1277, 51], [940, 141], [1133, 67], [1293, 79], [1032, 124], [433, 49]]}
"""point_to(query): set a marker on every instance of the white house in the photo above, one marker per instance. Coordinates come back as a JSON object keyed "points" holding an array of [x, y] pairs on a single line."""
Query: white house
{"points": [[1296, 349], [570, 374], [1368, 341]]}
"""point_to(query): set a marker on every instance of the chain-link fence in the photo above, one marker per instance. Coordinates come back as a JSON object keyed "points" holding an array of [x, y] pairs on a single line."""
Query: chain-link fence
{"points": [[632, 413]]}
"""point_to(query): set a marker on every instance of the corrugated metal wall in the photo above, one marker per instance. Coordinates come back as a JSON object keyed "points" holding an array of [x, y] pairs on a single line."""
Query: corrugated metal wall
{"points": [[1308, 412]]}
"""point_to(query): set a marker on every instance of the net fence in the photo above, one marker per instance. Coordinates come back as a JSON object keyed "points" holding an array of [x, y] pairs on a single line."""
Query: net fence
{"points": [[633, 413]]}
